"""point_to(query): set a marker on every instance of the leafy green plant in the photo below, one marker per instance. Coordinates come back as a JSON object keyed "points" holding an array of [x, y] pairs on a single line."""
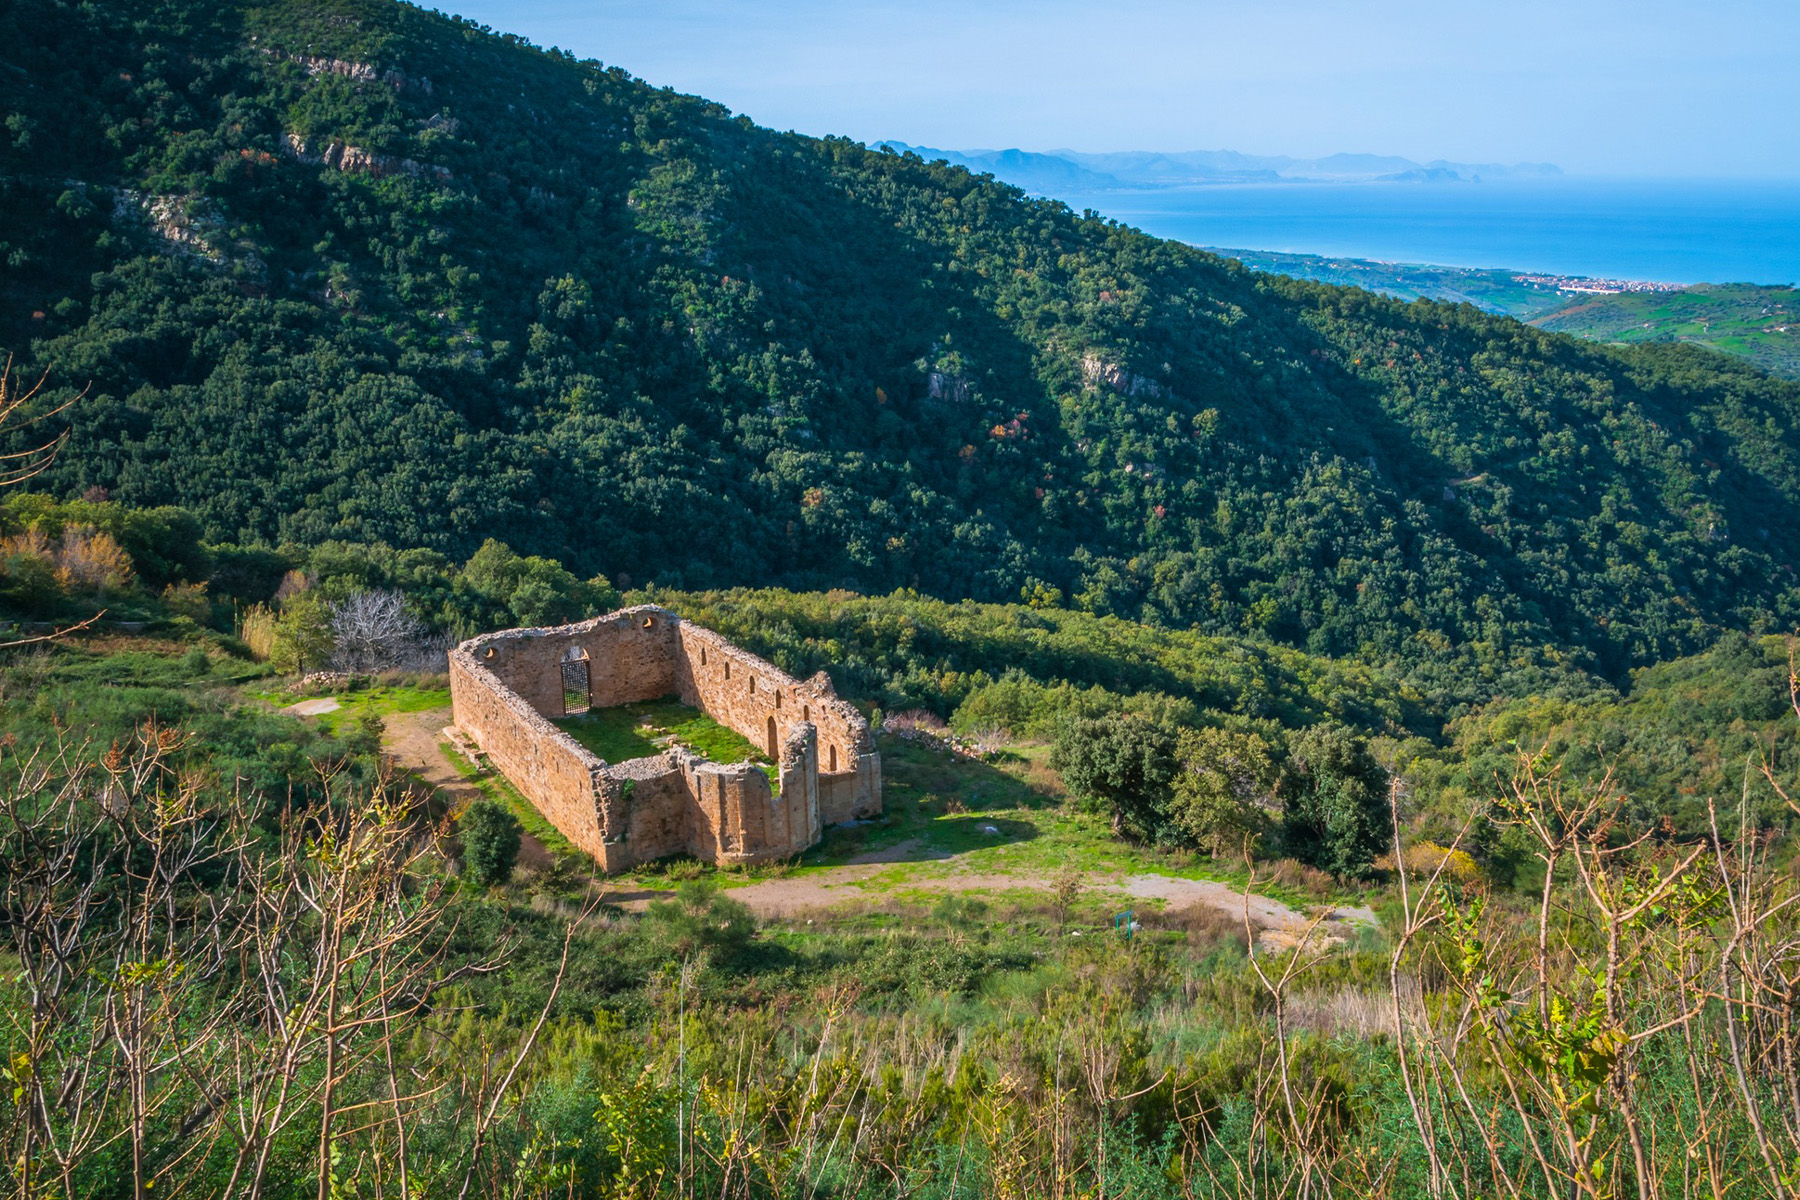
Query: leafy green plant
{"points": [[701, 918], [490, 842], [1122, 763], [1335, 798]]}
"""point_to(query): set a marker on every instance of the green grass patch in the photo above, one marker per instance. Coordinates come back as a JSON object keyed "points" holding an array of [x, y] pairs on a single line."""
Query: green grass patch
{"points": [[945, 815], [385, 701], [614, 734], [380, 701], [630, 731]]}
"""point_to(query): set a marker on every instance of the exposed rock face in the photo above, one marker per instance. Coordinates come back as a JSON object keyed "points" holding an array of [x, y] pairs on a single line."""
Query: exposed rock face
{"points": [[355, 160], [1100, 373], [940, 386], [358, 71], [504, 686], [177, 220], [191, 226]]}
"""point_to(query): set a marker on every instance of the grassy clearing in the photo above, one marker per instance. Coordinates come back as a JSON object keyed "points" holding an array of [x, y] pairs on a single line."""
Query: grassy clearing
{"points": [[381, 700], [631, 731], [1006, 819], [1002, 818]]}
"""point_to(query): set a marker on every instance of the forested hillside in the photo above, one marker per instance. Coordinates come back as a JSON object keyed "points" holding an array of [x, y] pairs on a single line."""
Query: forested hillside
{"points": [[344, 269]]}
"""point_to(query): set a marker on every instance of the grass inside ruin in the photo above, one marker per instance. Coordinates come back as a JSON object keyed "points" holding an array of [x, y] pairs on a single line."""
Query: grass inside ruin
{"points": [[639, 730]]}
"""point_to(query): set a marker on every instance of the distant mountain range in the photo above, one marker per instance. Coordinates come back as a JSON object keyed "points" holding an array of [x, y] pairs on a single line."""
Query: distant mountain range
{"points": [[1063, 170]]}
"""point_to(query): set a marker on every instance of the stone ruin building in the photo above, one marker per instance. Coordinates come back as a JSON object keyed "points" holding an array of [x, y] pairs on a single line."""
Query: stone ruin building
{"points": [[504, 687]]}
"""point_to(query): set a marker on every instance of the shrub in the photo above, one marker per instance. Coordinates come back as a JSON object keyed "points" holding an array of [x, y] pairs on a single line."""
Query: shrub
{"points": [[187, 600], [490, 843], [90, 560], [365, 737], [80, 560], [1424, 859], [28, 581], [700, 919], [1336, 802], [302, 635]]}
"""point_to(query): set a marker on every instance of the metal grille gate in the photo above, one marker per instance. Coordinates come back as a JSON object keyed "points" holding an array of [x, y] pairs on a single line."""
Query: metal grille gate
{"points": [[575, 687]]}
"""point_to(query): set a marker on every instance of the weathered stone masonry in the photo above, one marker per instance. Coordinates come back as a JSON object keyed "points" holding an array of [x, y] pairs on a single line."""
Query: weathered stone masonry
{"points": [[505, 686]]}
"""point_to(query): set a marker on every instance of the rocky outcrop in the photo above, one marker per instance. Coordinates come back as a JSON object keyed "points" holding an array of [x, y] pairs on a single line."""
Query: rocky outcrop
{"points": [[191, 226], [1097, 372], [940, 386], [360, 72], [355, 160]]}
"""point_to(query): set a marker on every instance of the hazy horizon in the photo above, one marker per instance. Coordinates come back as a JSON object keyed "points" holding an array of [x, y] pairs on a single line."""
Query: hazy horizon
{"points": [[1656, 89]]}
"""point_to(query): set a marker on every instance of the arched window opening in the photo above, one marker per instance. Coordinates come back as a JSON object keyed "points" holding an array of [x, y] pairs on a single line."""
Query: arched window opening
{"points": [[649, 622], [772, 753], [778, 700], [728, 668], [703, 656], [806, 712], [834, 760]]}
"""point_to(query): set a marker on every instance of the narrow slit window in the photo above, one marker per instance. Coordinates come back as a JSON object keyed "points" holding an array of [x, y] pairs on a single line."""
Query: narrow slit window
{"points": [[772, 753], [834, 759]]}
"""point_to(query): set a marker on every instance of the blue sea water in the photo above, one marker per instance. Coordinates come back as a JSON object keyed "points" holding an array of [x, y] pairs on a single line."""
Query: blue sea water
{"points": [[1675, 232]]}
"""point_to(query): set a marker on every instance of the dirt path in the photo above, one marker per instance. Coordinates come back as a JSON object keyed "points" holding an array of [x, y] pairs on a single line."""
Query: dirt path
{"points": [[786, 899], [415, 741]]}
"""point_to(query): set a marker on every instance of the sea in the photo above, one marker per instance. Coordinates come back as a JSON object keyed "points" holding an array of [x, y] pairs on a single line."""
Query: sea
{"points": [[1661, 231]]}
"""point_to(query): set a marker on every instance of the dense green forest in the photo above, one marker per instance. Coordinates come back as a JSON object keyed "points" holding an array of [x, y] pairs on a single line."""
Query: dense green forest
{"points": [[354, 271]]}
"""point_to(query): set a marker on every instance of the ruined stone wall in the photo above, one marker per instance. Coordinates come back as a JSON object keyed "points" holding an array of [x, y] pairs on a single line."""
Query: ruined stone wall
{"points": [[504, 685], [648, 809], [548, 766], [765, 704], [629, 654], [851, 795], [797, 808]]}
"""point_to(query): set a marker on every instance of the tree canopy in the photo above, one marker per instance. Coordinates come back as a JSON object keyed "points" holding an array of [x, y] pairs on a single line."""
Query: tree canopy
{"points": [[356, 272]]}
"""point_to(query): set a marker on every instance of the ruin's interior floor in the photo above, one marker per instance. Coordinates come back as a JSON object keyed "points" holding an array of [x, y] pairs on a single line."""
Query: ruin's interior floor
{"points": [[630, 731]]}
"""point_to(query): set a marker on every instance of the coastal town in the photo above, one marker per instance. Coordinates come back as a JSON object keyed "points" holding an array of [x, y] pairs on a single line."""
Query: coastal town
{"points": [[1582, 285]]}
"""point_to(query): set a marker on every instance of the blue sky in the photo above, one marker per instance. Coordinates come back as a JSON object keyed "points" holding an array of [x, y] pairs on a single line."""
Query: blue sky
{"points": [[1601, 87]]}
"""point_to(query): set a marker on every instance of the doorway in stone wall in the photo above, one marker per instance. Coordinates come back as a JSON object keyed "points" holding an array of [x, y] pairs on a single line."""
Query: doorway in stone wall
{"points": [[576, 683]]}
